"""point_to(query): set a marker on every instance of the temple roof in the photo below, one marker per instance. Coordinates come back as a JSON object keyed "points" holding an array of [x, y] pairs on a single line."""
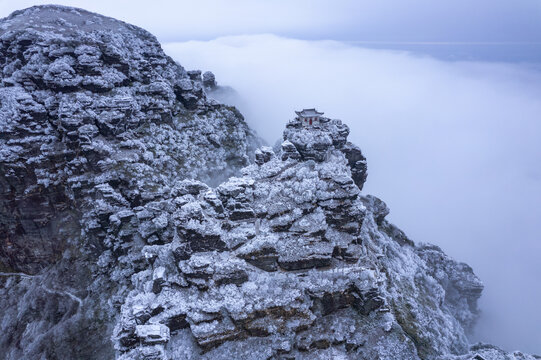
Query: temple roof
{"points": [[308, 113]]}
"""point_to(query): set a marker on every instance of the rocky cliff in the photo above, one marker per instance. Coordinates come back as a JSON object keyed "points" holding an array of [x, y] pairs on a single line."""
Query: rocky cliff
{"points": [[94, 118], [141, 219]]}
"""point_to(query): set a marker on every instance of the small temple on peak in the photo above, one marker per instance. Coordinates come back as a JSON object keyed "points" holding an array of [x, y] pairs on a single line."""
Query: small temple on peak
{"points": [[309, 116]]}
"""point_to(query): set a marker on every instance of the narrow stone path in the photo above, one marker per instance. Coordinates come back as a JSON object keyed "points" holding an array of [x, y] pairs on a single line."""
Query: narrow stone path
{"points": [[47, 289], [17, 274], [65, 293]]}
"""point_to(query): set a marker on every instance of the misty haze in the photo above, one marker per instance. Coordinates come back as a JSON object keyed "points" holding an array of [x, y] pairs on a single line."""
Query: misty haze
{"points": [[150, 211], [453, 148]]}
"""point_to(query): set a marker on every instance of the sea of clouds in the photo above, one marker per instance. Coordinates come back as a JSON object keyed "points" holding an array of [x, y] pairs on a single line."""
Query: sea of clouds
{"points": [[454, 148]]}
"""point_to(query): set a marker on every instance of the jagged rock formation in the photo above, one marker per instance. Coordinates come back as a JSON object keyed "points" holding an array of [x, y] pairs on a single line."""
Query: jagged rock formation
{"points": [[84, 95], [313, 143], [291, 261], [94, 117], [124, 234]]}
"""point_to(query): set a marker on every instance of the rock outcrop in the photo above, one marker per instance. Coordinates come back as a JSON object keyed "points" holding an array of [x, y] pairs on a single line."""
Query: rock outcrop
{"points": [[290, 260], [134, 223], [95, 120], [314, 142]]}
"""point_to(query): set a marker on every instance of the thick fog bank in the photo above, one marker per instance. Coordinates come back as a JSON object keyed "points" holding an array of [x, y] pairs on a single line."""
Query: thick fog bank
{"points": [[453, 148]]}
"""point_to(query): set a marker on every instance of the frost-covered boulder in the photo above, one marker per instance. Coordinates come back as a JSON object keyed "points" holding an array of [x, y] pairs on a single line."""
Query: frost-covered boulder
{"points": [[209, 80], [263, 155], [289, 151], [153, 333]]}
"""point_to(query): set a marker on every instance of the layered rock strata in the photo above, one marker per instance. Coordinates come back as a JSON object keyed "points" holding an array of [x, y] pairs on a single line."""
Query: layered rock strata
{"points": [[291, 261], [95, 120]]}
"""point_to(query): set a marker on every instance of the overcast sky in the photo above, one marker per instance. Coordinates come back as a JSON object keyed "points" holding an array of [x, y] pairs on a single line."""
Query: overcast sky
{"points": [[452, 147], [360, 20]]}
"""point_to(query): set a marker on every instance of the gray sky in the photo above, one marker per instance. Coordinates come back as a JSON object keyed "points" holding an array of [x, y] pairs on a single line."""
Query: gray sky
{"points": [[452, 147], [366, 20]]}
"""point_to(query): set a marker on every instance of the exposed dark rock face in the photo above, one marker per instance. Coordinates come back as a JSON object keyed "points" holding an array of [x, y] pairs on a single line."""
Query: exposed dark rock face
{"points": [[357, 163], [263, 155], [133, 225]]}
